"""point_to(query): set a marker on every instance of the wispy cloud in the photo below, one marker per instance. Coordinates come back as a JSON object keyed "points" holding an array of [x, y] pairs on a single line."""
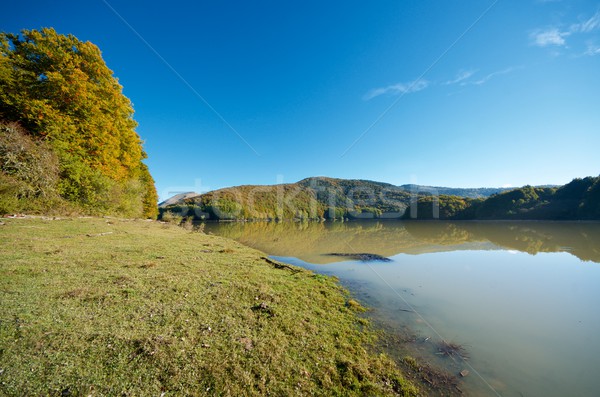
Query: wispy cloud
{"points": [[555, 37], [587, 26], [461, 77], [464, 78], [494, 74], [397, 89], [548, 37], [592, 49]]}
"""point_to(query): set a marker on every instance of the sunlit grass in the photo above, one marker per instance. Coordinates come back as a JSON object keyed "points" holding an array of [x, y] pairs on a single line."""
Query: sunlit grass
{"points": [[110, 307]]}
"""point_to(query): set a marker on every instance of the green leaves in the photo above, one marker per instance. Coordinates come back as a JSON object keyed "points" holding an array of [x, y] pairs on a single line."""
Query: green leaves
{"points": [[60, 88]]}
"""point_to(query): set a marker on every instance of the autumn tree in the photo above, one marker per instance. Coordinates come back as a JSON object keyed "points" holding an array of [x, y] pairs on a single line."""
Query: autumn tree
{"points": [[61, 91]]}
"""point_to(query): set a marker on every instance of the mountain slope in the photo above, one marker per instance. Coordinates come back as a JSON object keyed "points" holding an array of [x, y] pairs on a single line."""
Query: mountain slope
{"points": [[330, 198], [177, 198], [481, 192]]}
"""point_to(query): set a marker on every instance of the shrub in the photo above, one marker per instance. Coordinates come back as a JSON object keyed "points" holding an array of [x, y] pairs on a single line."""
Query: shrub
{"points": [[32, 164], [29, 172]]}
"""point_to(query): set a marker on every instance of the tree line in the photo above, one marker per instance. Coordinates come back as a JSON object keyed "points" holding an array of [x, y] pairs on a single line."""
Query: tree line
{"points": [[328, 198]]}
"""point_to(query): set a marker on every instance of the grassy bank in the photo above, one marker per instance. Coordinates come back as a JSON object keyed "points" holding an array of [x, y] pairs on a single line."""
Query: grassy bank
{"points": [[110, 307]]}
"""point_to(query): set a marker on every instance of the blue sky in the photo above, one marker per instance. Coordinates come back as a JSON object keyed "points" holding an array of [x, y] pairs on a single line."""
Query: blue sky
{"points": [[448, 93]]}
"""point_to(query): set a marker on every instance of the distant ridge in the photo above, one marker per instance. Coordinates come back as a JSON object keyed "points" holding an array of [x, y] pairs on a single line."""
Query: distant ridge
{"points": [[480, 192], [178, 198], [460, 192], [330, 198]]}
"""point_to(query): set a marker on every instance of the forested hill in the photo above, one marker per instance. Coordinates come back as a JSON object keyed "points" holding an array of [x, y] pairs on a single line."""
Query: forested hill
{"points": [[410, 188], [329, 198], [67, 134], [481, 192]]}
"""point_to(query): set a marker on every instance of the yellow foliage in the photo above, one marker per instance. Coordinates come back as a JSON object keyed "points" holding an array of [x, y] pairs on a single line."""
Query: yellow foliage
{"points": [[60, 88]]}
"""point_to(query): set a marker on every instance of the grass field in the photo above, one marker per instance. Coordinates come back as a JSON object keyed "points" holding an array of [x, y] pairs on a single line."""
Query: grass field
{"points": [[96, 307]]}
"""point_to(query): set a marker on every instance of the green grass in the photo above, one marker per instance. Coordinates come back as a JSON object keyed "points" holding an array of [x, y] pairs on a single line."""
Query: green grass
{"points": [[137, 308]]}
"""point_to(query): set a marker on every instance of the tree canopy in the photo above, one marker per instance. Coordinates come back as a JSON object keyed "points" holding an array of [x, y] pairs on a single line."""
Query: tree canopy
{"points": [[60, 90]]}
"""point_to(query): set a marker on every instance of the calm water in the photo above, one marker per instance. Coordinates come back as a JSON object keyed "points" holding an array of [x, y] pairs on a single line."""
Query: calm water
{"points": [[522, 298]]}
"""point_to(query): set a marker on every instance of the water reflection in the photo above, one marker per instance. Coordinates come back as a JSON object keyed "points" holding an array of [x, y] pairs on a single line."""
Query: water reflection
{"points": [[310, 241], [516, 295]]}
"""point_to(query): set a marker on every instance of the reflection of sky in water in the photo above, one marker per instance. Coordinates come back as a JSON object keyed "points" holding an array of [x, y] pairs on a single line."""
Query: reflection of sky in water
{"points": [[518, 295], [530, 323]]}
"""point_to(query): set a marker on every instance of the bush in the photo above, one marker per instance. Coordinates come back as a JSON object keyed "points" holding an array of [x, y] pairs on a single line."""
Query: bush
{"points": [[29, 171], [170, 217], [9, 192], [31, 164]]}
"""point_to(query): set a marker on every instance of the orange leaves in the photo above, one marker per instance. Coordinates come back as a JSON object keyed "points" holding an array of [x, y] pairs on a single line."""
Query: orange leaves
{"points": [[79, 104]]}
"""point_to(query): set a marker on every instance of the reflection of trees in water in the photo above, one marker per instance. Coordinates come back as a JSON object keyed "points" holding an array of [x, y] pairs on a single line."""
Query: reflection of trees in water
{"points": [[578, 238], [309, 240], [440, 233]]}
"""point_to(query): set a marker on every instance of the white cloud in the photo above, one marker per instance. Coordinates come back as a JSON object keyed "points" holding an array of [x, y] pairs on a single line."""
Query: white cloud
{"points": [[545, 38], [397, 89], [461, 77], [592, 49], [506, 185], [553, 36], [587, 26], [494, 74]]}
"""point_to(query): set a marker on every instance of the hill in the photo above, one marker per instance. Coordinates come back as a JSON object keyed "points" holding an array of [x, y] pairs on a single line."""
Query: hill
{"points": [[321, 198], [577, 200], [177, 198], [311, 198], [481, 192]]}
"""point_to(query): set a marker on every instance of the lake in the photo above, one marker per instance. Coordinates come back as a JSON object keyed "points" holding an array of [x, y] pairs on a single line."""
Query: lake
{"points": [[521, 298]]}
